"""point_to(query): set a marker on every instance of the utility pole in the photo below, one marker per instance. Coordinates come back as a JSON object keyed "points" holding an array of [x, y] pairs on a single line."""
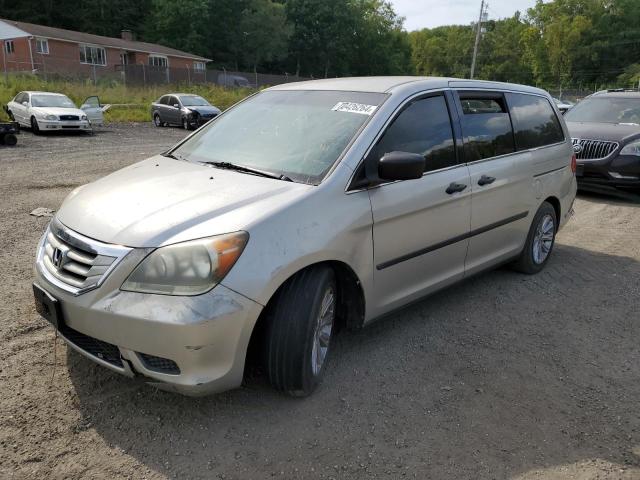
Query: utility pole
{"points": [[483, 14]]}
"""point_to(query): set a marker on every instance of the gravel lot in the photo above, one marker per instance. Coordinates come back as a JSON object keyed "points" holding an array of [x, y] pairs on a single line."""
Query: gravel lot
{"points": [[502, 376]]}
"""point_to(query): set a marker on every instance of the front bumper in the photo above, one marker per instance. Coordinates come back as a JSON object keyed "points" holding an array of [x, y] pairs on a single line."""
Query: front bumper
{"points": [[198, 121], [616, 171], [206, 336], [64, 125]]}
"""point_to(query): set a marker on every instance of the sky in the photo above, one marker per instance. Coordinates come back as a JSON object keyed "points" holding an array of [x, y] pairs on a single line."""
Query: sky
{"points": [[433, 13]]}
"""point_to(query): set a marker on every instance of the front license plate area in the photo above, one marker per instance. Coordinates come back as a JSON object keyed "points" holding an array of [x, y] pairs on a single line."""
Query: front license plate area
{"points": [[47, 306]]}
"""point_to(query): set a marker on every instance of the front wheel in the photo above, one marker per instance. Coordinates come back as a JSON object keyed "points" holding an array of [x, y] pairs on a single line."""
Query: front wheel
{"points": [[300, 326], [540, 241], [185, 123], [35, 128]]}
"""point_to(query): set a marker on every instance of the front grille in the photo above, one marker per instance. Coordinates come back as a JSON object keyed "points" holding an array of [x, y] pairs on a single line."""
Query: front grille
{"points": [[74, 118], [594, 149], [103, 350], [74, 262], [73, 265], [159, 364]]}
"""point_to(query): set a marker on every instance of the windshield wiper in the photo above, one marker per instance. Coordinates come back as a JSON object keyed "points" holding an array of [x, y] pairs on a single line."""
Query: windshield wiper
{"points": [[254, 171]]}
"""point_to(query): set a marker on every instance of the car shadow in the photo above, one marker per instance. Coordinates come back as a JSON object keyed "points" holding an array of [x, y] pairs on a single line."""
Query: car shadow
{"points": [[495, 377], [610, 195]]}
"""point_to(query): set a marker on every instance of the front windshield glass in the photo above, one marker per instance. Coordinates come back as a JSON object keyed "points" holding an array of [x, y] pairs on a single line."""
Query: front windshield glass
{"points": [[606, 110], [299, 134], [59, 101], [193, 101]]}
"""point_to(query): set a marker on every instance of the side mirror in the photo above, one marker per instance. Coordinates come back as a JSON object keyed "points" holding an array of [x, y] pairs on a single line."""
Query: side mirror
{"points": [[401, 166], [175, 105], [25, 104]]}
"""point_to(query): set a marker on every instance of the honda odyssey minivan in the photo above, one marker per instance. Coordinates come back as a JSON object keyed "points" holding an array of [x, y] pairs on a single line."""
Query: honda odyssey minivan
{"points": [[304, 208]]}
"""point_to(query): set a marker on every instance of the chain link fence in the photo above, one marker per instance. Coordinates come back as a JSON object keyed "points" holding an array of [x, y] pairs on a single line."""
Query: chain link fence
{"points": [[49, 67]]}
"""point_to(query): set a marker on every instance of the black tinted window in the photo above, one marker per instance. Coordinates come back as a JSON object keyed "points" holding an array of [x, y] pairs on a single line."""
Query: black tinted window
{"points": [[173, 101], [486, 127], [164, 100], [423, 127], [534, 121]]}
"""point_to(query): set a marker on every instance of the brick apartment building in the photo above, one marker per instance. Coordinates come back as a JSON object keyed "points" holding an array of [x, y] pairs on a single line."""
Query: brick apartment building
{"points": [[47, 50]]}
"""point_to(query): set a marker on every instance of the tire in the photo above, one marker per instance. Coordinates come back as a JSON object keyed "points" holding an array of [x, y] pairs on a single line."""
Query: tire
{"points": [[34, 126], [157, 121], [185, 123], [11, 117], [10, 140], [540, 241], [295, 351]]}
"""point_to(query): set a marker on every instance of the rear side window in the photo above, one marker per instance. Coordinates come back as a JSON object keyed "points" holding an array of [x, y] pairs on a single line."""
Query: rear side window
{"points": [[423, 127], [486, 127], [534, 121], [164, 100]]}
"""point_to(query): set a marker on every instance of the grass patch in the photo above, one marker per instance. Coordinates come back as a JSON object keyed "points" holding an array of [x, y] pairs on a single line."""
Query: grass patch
{"points": [[137, 99]]}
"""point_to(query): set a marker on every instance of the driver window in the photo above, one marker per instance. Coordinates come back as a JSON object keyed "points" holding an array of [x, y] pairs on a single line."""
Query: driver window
{"points": [[423, 127]]}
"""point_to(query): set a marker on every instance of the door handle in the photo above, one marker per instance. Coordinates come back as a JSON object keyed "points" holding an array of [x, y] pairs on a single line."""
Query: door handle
{"points": [[455, 188], [486, 180]]}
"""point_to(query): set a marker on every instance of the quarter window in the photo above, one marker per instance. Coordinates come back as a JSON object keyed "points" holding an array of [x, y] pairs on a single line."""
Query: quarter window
{"points": [[9, 47], [423, 127], [157, 61], [534, 121], [92, 55], [486, 127], [42, 46]]}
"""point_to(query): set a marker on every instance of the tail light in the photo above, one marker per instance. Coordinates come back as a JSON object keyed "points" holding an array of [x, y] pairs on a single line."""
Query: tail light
{"points": [[574, 166]]}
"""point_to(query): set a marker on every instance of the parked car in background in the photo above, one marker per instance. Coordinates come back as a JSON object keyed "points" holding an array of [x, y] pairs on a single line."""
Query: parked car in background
{"points": [[563, 105], [307, 206], [228, 80], [184, 109], [45, 111], [605, 130]]}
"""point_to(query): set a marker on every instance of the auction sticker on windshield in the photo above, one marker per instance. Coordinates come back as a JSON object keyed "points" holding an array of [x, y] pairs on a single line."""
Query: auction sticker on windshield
{"points": [[354, 108]]}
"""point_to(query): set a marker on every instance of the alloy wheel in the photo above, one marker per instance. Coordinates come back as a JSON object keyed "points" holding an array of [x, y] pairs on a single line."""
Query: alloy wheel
{"points": [[322, 334], [543, 239]]}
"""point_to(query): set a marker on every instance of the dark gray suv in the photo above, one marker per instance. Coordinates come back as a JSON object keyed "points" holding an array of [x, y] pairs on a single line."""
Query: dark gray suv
{"points": [[605, 130], [183, 109]]}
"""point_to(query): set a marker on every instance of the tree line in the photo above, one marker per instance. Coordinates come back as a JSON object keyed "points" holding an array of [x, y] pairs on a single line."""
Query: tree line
{"points": [[560, 44]]}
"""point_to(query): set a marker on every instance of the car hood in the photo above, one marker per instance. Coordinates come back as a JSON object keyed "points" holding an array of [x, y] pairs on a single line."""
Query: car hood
{"points": [[160, 201], [58, 111], [613, 132], [204, 109]]}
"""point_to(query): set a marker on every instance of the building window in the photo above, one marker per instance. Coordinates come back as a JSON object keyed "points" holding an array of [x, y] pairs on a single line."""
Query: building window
{"points": [[158, 61], [9, 47], [199, 66], [42, 46], [92, 55]]}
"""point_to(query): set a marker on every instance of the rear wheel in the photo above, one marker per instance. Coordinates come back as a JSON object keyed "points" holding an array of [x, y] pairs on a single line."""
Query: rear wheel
{"points": [[34, 126], [540, 241], [299, 331], [157, 121], [11, 117]]}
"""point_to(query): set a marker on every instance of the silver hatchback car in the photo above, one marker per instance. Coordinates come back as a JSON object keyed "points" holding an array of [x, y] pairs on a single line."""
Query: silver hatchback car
{"points": [[306, 207]]}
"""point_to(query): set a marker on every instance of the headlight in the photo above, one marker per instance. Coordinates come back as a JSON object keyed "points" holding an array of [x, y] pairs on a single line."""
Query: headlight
{"points": [[50, 117], [632, 148], [83, 117], [188, 268]]}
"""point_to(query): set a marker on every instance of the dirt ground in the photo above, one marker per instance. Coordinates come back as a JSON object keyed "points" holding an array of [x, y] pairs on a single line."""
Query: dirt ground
{"points": [[504, 376]]}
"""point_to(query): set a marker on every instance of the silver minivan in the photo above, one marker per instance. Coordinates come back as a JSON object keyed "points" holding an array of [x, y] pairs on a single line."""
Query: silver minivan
{"points": [[306, 207]]}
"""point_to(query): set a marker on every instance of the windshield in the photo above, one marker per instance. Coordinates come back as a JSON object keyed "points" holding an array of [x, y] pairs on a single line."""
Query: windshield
{"points": [[606, 110], [59, 101], [193, 101], [299, 134]]}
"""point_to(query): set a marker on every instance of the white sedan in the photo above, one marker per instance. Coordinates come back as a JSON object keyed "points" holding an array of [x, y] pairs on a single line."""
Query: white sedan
{"points": [[44, 111]]}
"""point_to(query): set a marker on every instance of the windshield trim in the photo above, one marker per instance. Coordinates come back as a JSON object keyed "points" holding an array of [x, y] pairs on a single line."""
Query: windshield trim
{"points": [[384, 95]]}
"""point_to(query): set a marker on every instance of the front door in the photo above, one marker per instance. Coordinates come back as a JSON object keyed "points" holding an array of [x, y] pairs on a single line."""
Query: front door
{"points": [[420, 227], [92, 108], [173, 111]]}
